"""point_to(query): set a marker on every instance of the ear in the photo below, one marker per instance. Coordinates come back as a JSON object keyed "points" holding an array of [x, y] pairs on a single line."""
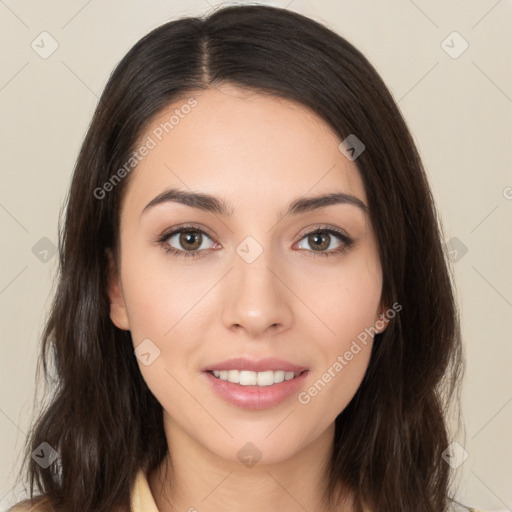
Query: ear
{"points": [[118, 313], [382, 320]]}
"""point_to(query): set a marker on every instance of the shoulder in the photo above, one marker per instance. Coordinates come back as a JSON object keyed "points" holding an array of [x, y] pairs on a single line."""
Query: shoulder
{"points": [[36, 505], [28, 506]]}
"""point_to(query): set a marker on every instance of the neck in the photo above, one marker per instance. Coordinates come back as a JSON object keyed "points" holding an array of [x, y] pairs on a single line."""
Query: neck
{"points": [[192, 478]]}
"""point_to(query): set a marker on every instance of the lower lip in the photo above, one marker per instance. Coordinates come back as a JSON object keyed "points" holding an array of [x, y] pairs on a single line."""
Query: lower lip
{"points": [[256, 397]]}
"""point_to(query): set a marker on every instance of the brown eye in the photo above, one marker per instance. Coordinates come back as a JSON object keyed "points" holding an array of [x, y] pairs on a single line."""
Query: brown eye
{"points": [[190, 240], [319, 241], [186, 241]]}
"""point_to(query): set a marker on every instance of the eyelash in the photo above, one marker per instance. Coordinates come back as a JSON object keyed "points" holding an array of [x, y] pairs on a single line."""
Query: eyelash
{"points": [[347, 242]]}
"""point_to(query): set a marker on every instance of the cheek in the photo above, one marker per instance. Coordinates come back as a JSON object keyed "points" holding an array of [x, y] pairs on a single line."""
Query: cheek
{"points": [[345, 299], [350, 310], [159, 296], [332, 388], [347, 310], [166, 305]]}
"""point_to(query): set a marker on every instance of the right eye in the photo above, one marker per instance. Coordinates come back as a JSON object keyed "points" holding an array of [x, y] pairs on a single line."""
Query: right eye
{"points": [[190, 238]]}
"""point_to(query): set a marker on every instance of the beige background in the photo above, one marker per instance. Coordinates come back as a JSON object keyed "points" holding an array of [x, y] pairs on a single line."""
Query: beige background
{"points": [[459, 110]]}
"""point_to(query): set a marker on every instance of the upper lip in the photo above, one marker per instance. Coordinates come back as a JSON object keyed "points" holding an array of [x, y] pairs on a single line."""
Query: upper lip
{"points": [[260, 365]]}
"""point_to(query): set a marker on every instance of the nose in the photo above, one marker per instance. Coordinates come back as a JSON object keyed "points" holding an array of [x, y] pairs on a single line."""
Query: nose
{"points": [[257, 300]]}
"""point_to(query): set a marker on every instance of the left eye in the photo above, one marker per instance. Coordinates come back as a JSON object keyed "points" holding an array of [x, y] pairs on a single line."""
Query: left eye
{"points": [[190, 241], [320, 240]]}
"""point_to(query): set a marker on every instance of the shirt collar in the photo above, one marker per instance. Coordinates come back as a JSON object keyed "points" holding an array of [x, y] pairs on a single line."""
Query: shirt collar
{"points": [[141, 498]]}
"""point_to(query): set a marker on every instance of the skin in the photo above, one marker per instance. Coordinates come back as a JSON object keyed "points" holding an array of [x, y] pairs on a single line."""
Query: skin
{"points": [[258, 153]]}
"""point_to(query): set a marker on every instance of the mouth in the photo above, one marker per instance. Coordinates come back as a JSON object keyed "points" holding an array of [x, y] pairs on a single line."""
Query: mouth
{"points": [[250, 390]]}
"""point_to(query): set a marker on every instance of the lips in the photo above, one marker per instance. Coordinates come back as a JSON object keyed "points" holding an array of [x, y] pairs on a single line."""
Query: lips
{"points": [[256, 397], [261, 365]]}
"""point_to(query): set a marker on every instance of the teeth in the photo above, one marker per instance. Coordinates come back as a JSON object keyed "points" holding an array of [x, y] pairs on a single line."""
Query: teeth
{"points": [[247, 378]]}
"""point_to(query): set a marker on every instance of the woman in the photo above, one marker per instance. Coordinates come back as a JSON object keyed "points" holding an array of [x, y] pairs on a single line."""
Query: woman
{"points": [[254, 309]]}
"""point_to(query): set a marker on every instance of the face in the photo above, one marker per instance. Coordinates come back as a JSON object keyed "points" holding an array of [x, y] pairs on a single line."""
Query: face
{"points": [[250, 280]]}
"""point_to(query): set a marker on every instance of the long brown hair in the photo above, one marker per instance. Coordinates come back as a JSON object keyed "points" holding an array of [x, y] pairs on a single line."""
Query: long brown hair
{"points": [[102, 419]]}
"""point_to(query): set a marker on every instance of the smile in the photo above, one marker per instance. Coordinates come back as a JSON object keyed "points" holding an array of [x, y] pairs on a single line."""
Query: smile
{"points": [[249, 378], [255, 390]]}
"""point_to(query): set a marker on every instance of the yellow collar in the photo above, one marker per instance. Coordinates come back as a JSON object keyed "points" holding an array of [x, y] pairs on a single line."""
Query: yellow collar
{"points": [[141, 497]]}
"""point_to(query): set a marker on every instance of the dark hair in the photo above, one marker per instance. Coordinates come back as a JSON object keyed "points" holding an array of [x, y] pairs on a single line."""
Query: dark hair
{"points": [[390, 438]]}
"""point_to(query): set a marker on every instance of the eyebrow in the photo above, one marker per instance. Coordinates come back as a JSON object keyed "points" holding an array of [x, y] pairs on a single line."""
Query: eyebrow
{"points": [[209, 203]]}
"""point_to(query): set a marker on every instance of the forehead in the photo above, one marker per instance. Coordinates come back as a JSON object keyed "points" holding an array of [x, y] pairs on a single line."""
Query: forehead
{"points": [[257, 150]]}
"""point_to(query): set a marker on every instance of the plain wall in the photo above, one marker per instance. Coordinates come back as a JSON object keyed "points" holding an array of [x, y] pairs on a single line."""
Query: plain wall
{"points": [[458, 107]]}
